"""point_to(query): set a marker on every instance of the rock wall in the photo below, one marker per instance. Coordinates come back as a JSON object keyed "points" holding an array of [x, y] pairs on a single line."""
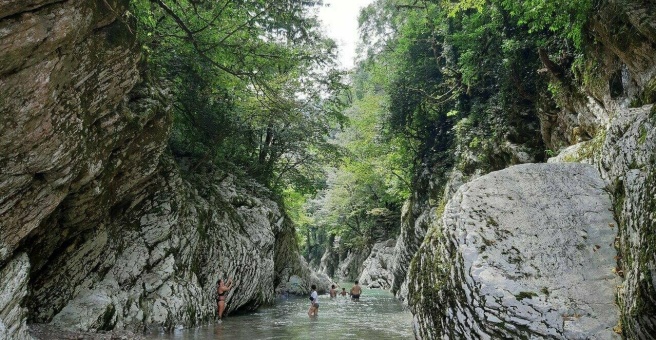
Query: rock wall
{"points": [[13, 281], [293, 274], [156, 262], [623, 148], [416, 217], [608, 110], [629, 164], [100, 228], [350, 268]]}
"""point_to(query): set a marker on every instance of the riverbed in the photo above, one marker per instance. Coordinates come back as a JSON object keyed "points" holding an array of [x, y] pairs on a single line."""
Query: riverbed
{"points": [[378, 315]]}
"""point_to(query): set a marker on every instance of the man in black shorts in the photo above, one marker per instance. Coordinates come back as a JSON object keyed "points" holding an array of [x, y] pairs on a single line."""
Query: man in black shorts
{"points": [[355, 292]]}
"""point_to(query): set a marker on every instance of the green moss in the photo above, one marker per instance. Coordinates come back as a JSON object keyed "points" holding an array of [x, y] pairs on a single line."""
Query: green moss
{"points": [[492, 222], [525, 295], [643, 135], [594, 146], [439, 211], [589, 149], [191, 312], [107, 323], [428, 275]]}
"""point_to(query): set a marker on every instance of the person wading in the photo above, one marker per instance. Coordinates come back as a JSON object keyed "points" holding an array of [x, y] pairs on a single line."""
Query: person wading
{"points": [[221, 289], [355, 292], [314, 302], [333, 292]]}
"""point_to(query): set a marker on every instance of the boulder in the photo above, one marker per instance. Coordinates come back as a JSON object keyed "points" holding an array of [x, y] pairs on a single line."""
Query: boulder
{"points": [[525, 252]]}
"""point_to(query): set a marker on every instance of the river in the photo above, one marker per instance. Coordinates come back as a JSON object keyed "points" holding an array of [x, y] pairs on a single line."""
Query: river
{"points": [[378, 315]]}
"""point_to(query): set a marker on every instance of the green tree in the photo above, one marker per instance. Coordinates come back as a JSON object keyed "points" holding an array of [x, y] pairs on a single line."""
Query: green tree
{"points": [[254, 84]]}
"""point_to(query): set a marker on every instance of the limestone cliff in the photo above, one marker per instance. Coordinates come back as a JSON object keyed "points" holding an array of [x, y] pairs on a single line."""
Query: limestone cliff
{"points": [[100, 228], [486, 269]]}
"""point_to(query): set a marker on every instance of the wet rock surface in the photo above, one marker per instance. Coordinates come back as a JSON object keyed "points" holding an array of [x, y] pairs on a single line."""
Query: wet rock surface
{"points": [[523, 252]]}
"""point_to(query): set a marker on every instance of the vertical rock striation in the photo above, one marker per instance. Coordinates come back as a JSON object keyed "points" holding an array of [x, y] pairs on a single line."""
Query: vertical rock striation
{"points": [[13, 281], [629, 163]]}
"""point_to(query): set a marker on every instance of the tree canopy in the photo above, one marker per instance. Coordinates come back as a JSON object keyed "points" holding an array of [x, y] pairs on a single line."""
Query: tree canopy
{"points": [[254, 84]]}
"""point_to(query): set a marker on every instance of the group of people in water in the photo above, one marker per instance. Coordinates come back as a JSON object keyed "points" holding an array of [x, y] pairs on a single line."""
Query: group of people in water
{"points": [[355, 292], [222, 288]]}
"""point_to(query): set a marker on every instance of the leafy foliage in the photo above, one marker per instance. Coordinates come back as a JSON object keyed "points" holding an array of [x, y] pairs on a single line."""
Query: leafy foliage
{"points": [[564, 18], [439, 85], [254, 84]]}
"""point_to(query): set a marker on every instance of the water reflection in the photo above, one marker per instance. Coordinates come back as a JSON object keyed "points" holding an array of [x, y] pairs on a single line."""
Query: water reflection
{"points": [[376, 316]]}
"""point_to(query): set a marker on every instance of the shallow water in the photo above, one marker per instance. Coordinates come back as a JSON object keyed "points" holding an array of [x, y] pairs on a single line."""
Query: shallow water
{"points": [[378, 315]]}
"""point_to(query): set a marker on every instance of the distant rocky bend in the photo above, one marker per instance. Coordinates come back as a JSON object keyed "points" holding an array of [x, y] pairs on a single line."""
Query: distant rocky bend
{"points": [[376, 268], [100, 228]]}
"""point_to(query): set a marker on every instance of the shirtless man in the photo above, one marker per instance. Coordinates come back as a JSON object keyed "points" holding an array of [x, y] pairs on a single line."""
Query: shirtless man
{"points": [[355, 292], [333, 292], [343, 292]]}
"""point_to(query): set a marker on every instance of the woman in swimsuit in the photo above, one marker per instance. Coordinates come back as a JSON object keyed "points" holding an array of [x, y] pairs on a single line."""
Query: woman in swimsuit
{"points": [[221, 290]]}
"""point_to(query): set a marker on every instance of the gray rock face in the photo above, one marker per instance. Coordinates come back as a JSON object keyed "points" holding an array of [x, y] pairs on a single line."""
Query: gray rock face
{"points": [[523, 252], [67, 129], [329, 262], [413, 230], [13, 281], [623, 149], [65, 117], [628, 163], [376, 272], [350, 268], [158, 261], [117, 234], [297, 285]]}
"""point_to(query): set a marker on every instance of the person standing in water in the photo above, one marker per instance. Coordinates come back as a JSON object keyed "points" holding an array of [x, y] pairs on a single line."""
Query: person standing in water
{"points": [[343, 292], [221, 289], [314, 302], [333, 292], [355, 292]]}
